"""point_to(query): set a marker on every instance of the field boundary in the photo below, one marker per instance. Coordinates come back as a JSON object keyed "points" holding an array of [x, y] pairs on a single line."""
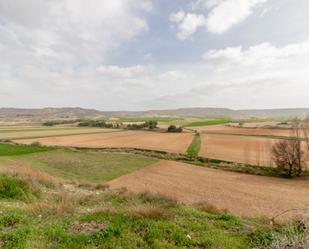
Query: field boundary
{"points": [[195, 146]]}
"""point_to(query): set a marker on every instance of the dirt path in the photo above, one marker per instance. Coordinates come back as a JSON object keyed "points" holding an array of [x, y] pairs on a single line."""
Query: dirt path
{"points": [[240, 194]]}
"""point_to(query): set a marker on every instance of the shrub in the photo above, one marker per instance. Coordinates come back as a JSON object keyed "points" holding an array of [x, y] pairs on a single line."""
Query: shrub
{"points": [[173, 128], [59, 122], [12, 188], [97, 123], [151, 124]]}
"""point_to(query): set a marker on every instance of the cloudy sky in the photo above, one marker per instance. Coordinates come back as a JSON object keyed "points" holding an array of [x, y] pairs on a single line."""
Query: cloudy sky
{"points": [[154, 54]]}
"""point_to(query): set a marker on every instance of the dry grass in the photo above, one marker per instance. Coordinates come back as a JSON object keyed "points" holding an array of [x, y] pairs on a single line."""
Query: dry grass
{"points": [[64, 206], [33, 176], [152, 212], [295, 236], [162, 199], [209, 208]]}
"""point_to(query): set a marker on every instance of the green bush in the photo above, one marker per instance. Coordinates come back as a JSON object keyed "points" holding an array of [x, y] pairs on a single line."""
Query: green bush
{"points": [[97, 123], [59, 122], [151, 124], [11, 188]]}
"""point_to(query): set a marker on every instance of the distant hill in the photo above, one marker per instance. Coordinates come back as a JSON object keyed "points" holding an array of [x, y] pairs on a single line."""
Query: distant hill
{"points": [[25, 115], [277, 113], [19, 114]]}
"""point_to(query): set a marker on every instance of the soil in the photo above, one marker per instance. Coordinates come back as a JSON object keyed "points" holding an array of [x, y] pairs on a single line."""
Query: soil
{"points": [[241, 194], [171, 142]]}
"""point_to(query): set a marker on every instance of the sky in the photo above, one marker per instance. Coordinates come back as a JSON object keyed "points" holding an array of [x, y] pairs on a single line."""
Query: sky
{"points": [[154, 54]]}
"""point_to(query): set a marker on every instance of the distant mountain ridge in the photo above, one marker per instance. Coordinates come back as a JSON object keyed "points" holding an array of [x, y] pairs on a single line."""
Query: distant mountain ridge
{"points": [[12, 114]]}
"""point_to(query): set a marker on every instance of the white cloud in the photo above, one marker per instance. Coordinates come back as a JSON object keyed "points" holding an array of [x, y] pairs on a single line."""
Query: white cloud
{"points": [[222, 16], [228, 13], [50, 48], [263, 55], [177, 17], [260, 76], [173, 76], [70, 32], [125, 72], [187, 23]]}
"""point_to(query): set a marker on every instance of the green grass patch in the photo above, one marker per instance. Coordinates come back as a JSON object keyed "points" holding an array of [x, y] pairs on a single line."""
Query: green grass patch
{"points": [[209, 122], [13, 188], [121, 227], [14, 150], [195, 146], [87, 165]]}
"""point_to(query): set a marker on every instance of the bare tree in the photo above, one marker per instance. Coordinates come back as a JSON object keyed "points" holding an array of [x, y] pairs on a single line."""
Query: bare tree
{"points": [[305, 129], [288, 154]]}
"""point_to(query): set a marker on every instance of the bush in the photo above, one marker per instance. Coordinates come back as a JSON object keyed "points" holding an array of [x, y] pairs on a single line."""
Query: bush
{"points": [[97, 123], [59, 122], [151, 124], [173, 128], [11, 188]]}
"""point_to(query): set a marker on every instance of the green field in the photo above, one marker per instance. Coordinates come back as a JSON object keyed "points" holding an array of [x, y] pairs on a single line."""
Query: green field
{"points": [[209, 122], [93, 167], [14, 150], [195, 146]]}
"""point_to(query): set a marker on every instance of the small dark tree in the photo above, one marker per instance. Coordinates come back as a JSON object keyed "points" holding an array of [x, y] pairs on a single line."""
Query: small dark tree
{"points": [[173, 128], [152, 124]]}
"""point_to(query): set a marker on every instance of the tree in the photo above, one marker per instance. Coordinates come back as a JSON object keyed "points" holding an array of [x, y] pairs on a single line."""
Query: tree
{"points": [[173, 128], [152, 124], [288, 154]]}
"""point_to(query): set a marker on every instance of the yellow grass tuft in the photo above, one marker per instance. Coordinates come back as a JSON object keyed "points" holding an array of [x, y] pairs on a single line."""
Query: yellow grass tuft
{"points": [[152, 212], [65, 206], [33, 176], [209, 208]]}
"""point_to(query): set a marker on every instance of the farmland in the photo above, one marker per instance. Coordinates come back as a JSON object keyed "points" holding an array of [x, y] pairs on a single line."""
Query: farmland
{"points": [[88, 196], [38, 132], [137, 139], [222, 129], [226, 190], [240, 149]]}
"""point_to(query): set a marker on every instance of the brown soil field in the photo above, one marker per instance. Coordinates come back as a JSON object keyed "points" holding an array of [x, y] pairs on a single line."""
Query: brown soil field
{"points": [[222, 129], [136, 139], [240, 194], [240, 149], [20, 133]]}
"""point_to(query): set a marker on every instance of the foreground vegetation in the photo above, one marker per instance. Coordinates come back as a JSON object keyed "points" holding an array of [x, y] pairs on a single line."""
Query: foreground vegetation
{"points": [[96, 218]]}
